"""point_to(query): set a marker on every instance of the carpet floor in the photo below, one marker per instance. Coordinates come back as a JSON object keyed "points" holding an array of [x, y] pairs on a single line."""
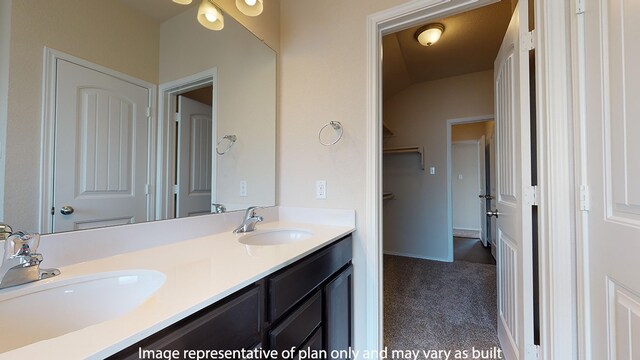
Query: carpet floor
{"points": [[432, 305]]}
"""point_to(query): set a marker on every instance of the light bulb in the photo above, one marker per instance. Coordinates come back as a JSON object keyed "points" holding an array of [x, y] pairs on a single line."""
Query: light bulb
{"points": [[182, 2], [250, 7], [211, 17]]}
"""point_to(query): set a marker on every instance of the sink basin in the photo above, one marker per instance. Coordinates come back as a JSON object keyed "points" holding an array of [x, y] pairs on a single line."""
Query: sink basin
{"points": [[43, 311], [275, 237]]}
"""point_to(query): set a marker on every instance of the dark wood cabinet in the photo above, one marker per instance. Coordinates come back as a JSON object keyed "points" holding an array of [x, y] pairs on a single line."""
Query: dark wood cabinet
{"points": [[339, 312], [307, 305]]}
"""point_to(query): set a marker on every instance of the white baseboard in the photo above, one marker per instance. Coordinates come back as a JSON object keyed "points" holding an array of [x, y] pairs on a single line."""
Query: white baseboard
{"points": [[417, 256]]}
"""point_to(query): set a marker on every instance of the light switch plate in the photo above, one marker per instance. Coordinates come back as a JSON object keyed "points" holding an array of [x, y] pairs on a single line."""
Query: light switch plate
{"points": [[432, 170]]}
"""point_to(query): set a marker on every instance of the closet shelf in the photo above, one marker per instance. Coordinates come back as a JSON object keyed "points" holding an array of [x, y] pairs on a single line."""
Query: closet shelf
{"points": [[408, 150], [387, 195]]}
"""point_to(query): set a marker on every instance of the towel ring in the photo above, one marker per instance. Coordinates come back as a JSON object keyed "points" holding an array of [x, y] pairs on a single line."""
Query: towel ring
{"points": [[337, 127], [232, 140]]}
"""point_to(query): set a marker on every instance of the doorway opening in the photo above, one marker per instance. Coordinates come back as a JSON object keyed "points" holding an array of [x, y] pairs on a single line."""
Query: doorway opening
{"points": [[431, 299], [472, 188], [187, 182]]}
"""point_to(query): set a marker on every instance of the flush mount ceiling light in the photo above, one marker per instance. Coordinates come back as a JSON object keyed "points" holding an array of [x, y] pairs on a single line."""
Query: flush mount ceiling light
{"points": [[182, 2], [249, 7], [210, 16], [429, 34]]}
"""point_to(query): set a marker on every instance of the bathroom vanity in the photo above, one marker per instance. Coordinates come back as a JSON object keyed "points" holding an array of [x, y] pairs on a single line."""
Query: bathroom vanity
{"points": [[189, 284], [307, 305]]}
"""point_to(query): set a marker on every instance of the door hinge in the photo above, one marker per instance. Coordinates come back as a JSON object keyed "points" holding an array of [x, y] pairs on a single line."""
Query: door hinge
{"points": [[579, 7], [176, 117], [148, 189], [528, 41], [175, 189], [531, 195], [53, 210], [585, 198]]}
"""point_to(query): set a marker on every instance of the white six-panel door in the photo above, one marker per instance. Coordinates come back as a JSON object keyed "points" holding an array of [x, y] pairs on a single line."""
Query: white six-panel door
{"points": [[513, 165], [194, 158], [101, 149], [611, 104]]}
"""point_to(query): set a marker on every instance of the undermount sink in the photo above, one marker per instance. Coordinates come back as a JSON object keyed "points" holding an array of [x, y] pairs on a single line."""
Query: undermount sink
{"points": [[275, 237], [43, 311]]}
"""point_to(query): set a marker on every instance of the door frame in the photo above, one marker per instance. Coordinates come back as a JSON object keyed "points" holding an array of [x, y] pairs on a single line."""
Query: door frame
{"points": [[557, 221], [450, 123], [47, 149], [168, 93]]}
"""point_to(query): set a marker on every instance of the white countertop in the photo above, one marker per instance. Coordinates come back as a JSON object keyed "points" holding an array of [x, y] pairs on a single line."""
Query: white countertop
{"points": [[198, 273]]}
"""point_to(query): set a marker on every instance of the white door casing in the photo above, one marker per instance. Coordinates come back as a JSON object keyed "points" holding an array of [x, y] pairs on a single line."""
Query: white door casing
{"points": [[513, 238], [195, 160], [609, 54], [482, 190], [101, 149]]}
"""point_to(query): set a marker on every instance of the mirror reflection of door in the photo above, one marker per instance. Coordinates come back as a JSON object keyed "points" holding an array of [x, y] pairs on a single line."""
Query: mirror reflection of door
{"points": [[101, 150], [194, 159]]}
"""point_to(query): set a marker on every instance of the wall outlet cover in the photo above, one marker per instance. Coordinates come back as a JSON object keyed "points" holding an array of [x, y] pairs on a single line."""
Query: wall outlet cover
{"points": [[321, 189]]}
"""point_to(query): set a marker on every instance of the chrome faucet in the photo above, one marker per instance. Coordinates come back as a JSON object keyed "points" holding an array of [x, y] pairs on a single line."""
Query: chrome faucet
{"points": [[249, 222], [21, 263]]}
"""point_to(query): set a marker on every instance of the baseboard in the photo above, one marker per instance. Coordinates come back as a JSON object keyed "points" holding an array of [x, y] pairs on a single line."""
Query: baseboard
{"points": [[468, 233], [395, 253]]}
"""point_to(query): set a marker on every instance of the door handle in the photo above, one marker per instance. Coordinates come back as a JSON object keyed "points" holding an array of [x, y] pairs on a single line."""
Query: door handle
{"points": [[488, 197], [67, 210], [491, 213]]}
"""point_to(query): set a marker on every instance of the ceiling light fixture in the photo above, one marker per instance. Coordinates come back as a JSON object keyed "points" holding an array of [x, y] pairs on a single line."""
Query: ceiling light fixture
{"points": [[182, 2], [210, 16], [250, 7], [429, 34]]}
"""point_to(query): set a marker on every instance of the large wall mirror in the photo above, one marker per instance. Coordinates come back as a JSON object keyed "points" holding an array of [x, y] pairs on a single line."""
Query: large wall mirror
{"points": [[145, 115]]}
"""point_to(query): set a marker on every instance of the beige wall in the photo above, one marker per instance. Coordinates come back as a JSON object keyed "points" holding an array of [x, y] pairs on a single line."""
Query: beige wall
{"points": [[419, 115], [82, 28], [246, 100], [266, 26], [471, 131], [323, 78]]}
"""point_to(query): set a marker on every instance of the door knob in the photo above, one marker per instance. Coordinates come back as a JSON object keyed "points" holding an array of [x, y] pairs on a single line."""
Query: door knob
{"points": [[493, 213], [66, 210], [488, 197]]}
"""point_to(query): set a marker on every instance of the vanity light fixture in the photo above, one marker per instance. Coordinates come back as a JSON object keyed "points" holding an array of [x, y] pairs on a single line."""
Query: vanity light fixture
{"points": [[250, 7], [182, 2], [210, 16], [429, 34]]}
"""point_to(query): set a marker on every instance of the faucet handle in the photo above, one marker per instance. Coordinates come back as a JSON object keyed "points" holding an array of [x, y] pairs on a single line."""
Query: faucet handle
{"points": [[21, 244], [5, 231]]}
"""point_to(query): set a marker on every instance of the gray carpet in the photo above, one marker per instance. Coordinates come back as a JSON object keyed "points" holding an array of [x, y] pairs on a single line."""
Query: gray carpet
{"points": [[470, 249], [431, 305]]}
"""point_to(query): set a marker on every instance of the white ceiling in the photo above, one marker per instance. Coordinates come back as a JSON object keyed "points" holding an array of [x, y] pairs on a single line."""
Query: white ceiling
{"points": [[470, 43], [158, 10]]}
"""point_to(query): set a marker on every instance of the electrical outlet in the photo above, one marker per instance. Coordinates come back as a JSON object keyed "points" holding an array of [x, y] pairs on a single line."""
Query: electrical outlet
{"points": [[432, 170], [321, 189], [243, 187]]}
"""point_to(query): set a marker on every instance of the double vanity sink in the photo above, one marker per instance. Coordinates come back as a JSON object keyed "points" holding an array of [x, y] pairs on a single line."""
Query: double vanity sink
{"points": [[96, 308]]}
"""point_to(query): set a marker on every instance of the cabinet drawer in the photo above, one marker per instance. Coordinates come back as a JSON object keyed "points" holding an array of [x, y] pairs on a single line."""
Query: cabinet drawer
{"points": [[292, 284], [313, 346], [232, 325], [298, 326]]}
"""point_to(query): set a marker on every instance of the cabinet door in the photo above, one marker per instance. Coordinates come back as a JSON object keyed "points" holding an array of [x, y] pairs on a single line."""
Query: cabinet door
{"points": [[297, 327], [339, 312], [233, 325]]}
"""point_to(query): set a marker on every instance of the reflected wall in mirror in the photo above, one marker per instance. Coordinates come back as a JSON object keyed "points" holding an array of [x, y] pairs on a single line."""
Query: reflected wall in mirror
{"points": [[114, 149]]}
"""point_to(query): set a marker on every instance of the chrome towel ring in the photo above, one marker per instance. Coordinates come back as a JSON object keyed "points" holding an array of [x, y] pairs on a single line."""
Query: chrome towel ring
{"points": [[231, 139], [337, 127]]}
